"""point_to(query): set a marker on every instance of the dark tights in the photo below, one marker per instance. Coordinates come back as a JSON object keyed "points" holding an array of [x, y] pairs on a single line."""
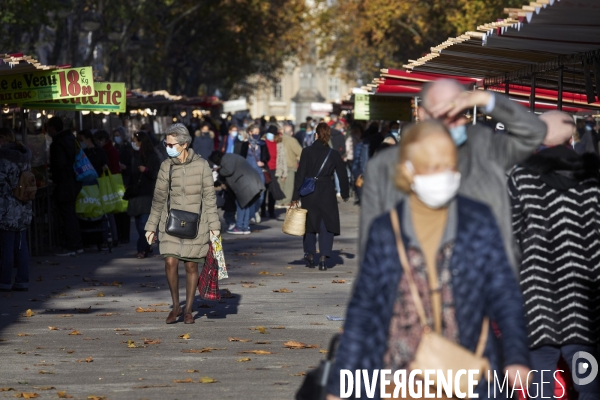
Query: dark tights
{"points": [[191, 280]]}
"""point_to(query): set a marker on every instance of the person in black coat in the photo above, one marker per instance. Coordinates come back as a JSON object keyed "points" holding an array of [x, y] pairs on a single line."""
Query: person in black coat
{"points": [[204, 141], [123, 146], [323, 215], [63, 151]]}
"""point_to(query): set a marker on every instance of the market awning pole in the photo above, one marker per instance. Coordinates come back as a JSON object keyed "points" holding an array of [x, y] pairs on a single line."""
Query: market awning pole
{"points": [[560, 88], [80, 121], [474, 115], [23, 128], [532, 96]]}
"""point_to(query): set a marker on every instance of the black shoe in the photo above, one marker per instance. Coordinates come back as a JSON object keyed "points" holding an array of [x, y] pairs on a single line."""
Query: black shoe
{"points": [[322, 266], [310, 261]]}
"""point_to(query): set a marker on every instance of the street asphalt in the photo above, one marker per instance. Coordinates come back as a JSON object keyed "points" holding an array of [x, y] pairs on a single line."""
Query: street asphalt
{"points": [[87, 339]]}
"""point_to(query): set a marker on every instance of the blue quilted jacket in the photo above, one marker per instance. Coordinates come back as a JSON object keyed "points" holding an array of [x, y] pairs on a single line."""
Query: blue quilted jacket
{"points": [[482, 283]]}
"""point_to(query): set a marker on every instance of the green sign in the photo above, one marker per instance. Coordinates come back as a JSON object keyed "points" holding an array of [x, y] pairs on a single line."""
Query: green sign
{"points": [[109, 96], [375, 107], [47, 85]]}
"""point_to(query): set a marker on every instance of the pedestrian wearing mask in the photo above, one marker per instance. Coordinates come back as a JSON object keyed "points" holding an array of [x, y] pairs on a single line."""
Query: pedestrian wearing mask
{"points": [[184, 183], [257, 155], [292, 151], [230, 140], [122, 143], [323, 217], [422, 260], [204, 143], [144, 172], [15, 214], [483, 156], [555, 196], [275, 168]]}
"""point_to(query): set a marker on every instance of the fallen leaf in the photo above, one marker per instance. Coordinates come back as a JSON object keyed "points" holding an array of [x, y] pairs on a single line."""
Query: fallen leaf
{"points": [[233, 339], [338, 281], [289, 267], [150, 386], [22, 334], [131, 344], [282, 290], [115, 283], [27, 395], [140, 309], [191, 371], [45, 388], [277, 274], [120, 330], [87, 360], [74, 333], [100, 294], [65, 316], [247, 282], [187, 380], [96, 397], [63, 395], [202, 350], [299, 374], [323, 351], [248, 286], [262, 342], [264, 273], [245, 359], [185, 336], [151, 341], [206, 379], [259, 352], [292, 344], [71, 351], [84, 310], [106, 315], [6, 389], [278, 327], [53, 328], [44, 372], [158, 305], [312, 287], [317, 323]]}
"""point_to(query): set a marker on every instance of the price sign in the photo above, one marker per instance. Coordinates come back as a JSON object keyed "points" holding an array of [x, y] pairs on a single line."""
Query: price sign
{"points": [[47, 85], [108, 96]]}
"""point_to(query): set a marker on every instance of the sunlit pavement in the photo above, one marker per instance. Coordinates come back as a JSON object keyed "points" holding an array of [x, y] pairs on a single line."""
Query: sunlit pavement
{"points": [[87, 337]]}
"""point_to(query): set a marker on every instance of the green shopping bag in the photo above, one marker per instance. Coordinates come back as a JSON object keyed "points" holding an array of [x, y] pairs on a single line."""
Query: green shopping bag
{"points": [[88, 203], [116, 181], [108, 196]]}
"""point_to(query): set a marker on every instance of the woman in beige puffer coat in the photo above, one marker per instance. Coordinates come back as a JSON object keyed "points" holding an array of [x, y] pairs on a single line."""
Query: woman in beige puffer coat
{"points": [[192, 190]]}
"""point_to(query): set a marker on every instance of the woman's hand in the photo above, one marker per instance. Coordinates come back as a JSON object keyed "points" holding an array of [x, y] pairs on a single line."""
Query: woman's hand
{"points": [[105, 168], [142, 168], [332, 397], [260, 164], [150, 237], [295, 203], [215, 233]]}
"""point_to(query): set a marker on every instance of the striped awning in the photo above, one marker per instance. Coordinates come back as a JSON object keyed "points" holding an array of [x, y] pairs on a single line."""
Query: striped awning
{"points": [[11, 64]]}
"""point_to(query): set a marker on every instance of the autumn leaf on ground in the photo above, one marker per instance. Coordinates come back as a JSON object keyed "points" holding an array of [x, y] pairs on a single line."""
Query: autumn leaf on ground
{"points": [[245, 359], [63, 395], [203, 350], [151, 341], [74, 333], [140, 309], [264, 273], [65, 316], [53, 328], [150, 386], [115, 283], [192, 371], [317, 323], [185, 336], [44, 372], [289, 267], [71, 351], [106, 314], [292, 344], [338, 281], [6, 389], [299, 374], [22, 334], [187, 380], [27, 395], [323, 351], [87, 360], [84, 310], [262, 342], [29, 313], [100, 294], [282, 290], [96, 397], [120, 330], [278, 327], [206, 379], [158, 305], [248, 285], [131, 344], [259, 352], [277, 274], [233, 339]]}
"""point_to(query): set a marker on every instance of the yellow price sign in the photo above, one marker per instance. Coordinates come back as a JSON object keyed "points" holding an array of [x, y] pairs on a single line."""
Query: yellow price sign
{"points": [[108, 96]]}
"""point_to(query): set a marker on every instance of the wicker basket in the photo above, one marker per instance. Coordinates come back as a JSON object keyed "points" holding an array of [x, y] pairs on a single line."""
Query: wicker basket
{"points": [[295, 222]]}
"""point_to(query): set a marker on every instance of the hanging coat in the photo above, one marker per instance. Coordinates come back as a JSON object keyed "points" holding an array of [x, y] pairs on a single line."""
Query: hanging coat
{"points": [[322, 203]]}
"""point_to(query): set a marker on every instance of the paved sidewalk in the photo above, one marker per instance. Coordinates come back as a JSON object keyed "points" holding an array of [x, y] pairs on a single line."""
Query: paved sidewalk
{"points": [[96, 346]]}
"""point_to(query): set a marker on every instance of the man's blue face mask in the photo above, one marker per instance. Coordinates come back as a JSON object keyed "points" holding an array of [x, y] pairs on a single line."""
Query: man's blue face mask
{"points": [[459, 134]]}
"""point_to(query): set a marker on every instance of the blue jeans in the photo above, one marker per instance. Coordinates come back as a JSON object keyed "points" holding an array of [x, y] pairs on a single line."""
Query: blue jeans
{"points": [[140, 223], [243, 216], [13, 247], [546, 358], [337, 183]]}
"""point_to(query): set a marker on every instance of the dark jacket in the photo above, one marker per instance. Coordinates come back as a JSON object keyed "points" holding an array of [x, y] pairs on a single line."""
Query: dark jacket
{"points": [[62, 157], [483, 161], [243, 180], [14, 214], [112, 156], [299, 136], [204, 145], [482, 284], [125, 156], [555, 197], [142, 204], [97, 157], [338, 141], [322, 203]]}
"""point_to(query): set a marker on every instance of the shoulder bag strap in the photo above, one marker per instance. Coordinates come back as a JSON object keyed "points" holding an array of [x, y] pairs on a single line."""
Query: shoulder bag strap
{"points": [[323, 165], [169, 192], [407, 272]]}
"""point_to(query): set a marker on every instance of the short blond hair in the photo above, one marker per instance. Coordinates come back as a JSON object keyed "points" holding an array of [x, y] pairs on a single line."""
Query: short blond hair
{"points": [[410, 136]]}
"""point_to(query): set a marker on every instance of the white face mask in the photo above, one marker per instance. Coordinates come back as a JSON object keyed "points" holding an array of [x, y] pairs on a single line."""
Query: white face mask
{"points": [[436, 190]]}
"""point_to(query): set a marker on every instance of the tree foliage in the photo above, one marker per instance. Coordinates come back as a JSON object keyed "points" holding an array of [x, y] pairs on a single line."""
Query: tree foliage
{"points": [[185, 46], [365, 35]]}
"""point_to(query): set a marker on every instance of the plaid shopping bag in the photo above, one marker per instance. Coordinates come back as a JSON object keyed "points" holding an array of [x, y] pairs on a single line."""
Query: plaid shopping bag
{"points": [[208, 281]]}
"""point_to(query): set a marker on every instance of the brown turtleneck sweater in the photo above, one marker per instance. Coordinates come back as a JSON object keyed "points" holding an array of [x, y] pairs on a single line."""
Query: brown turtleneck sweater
{"points": [[429, 225]]}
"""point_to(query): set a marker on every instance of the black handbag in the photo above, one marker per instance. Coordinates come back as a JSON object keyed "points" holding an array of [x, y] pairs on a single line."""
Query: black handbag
{"points": [[181, 224], [309, 184], [314, 386]]}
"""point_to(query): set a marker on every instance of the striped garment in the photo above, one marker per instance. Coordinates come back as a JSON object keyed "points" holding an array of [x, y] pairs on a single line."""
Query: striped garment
{"points": [[555, 200]]}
